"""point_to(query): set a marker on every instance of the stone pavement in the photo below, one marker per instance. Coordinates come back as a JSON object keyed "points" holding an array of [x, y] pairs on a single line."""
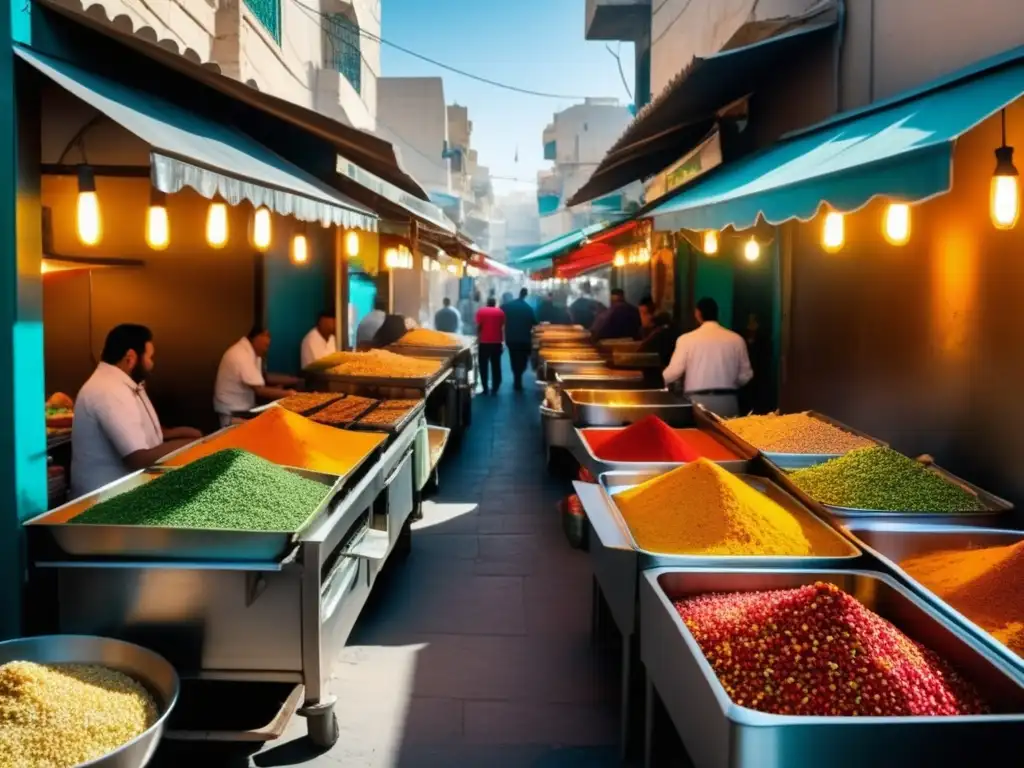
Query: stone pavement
{"points": [[476, 650]]}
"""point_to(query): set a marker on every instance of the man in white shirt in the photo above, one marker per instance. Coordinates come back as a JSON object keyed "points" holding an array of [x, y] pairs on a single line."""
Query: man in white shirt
{"points": [[370, 324], [319, 342], [116, 430], [713, 360], [240, 378]]}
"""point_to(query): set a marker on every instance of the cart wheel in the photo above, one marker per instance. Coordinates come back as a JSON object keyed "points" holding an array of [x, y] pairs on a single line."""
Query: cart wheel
{"points": [[323, 729]]}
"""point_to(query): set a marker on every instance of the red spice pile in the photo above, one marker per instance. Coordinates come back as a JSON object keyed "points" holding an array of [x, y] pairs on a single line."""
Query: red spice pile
{"points": [[651, 439], [817, 651]]}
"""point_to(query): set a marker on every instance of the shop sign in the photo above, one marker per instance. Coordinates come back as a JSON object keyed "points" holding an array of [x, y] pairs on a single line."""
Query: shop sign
{"points": [[698, 161]]}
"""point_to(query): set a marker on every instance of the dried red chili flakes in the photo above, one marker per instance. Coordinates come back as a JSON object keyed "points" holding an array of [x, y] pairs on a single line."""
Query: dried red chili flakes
{"points": [[816, 650], [575, 506], [585, 476]]}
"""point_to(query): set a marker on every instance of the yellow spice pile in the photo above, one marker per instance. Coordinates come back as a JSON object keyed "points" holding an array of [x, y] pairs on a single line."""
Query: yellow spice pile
{"points": [[795, 433], [62, 715], [380, 362], [701, 509], [425, 337]]}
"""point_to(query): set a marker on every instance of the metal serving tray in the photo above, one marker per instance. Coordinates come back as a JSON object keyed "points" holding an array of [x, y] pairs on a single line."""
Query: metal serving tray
{"points": [[179, 544], [604, 379], [276, 404], [584, 454], [604, 408], [557, 428], [892, 543], [553, 369], [994, 512], [797, 460], [383, 387], [398, 426], [718, 733]]}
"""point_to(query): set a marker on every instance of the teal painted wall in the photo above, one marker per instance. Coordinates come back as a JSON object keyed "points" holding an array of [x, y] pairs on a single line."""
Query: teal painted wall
{"points": [[714, 278], [294, 295]]}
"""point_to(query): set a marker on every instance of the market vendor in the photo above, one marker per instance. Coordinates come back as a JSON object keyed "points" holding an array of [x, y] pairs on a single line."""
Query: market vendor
{"points": [[319, 342], [658, 336], [240, 377], [621, 321], [370, 324], [116, 430], [712, 361], [391, 330]]}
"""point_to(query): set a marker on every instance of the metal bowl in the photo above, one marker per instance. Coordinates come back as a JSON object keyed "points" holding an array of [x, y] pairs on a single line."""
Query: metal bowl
{"points": [[152, 671]]}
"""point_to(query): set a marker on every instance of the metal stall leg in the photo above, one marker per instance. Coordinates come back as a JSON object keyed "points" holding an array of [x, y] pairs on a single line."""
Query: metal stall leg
{"points": [[624, 718], [649, 727], [322, 723]]}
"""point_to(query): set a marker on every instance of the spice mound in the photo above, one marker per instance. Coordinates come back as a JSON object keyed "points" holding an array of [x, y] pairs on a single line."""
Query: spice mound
{"points": [[701, 509], [290, 440], [344, 411], [795, 433], [389, 413], [230, 490], [816, 650], [63, 715], [380, 362], [425, 337], [879, 478], [304, 402], [985, 585], [652, 440]]}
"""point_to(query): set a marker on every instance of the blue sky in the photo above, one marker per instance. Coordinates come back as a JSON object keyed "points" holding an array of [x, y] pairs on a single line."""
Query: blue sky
{"points": [[534, 44]]}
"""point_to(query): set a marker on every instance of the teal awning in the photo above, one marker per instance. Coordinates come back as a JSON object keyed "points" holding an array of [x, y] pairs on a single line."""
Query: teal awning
{"points": [[901, 149], [544, 254]]}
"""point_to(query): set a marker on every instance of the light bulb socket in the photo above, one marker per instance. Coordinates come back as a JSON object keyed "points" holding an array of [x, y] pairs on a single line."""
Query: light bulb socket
{"points": [[1004, 162], [157, 199], [86, 179]]}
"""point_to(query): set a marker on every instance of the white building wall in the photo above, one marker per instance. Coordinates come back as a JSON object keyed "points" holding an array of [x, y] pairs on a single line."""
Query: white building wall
{"points": [[228, 34], [412, 115]]}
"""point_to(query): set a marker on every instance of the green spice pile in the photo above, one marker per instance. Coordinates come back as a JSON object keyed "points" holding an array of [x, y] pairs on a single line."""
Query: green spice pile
{"points": [[230, 489], [880, 478]]}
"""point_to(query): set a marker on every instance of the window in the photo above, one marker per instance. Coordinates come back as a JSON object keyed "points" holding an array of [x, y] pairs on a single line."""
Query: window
{"points": [[268, 13], [343, 51]]}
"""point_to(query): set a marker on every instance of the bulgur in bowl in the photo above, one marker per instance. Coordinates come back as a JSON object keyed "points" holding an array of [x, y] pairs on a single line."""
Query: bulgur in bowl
{"points": [[72, 701]]}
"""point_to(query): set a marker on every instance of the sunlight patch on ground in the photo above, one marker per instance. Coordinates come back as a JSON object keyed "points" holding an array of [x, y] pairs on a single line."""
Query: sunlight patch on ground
{"points": [[436, 513]]}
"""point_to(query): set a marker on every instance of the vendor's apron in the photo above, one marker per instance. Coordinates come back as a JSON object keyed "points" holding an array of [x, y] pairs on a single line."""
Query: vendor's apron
{"points": [[719, 401]]}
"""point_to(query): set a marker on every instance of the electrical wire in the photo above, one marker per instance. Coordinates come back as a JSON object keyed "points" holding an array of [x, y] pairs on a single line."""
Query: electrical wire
{"points": [[618, 60], [497, 84], [672, 23]]}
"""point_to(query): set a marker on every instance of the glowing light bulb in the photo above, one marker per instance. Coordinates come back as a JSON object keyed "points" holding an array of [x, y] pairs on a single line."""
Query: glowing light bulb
{"points": [[833, 233], [87, 215], [299, 249], [351, 244], [261, 229], [620, 260], [710, 242], [158, 225], [217, 224], [752, 250], [896, 227], [1004, 201]]}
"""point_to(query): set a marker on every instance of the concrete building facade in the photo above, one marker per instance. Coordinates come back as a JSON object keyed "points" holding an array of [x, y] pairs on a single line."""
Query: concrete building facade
{"points": [[320, 54], [412, 115]]}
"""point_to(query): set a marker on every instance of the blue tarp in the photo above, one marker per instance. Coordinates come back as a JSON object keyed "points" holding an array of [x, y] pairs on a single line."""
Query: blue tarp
{"points": [[900, 149]]}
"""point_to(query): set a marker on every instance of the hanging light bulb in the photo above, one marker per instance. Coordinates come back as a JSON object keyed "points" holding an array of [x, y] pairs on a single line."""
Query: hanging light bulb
{"points": [[710, 242], [158, 226], [833, 233], [217, 224], [752, 250], [351, 243], [300, 249], [261, 228], [620, 259], [896, 227], [87, 216], [391, 258], [1004, 200]]}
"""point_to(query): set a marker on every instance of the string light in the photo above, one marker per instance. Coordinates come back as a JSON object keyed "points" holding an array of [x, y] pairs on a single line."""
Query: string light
{"points": [[300, 249], [832, 232], [752, 250], [351, 244], [87, 215], [261, 227], [158, 226], [1004, 199], [896, 226], [710, 242], [217, 224]]}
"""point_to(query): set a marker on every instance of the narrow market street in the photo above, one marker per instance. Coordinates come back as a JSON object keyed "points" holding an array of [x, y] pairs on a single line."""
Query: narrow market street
{"points": [[476, 651]]}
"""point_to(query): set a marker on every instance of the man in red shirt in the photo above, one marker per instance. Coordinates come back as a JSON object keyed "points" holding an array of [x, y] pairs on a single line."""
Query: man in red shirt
{"points": [[490, 330]]}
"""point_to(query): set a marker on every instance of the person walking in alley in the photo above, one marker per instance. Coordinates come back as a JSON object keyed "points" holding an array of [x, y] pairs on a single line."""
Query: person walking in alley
{"points": [[490, 326], [520, 321], [447, 318]]}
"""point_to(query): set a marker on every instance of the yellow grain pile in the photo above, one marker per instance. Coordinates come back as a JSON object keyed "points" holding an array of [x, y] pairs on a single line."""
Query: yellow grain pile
{"points": [[62, 715], [425, 337], [795, 433], [380, 362], [701, 509]]}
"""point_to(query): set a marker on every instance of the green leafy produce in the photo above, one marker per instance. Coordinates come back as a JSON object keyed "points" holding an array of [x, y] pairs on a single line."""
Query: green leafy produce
{"points": [[230, 489], [880, 478]]}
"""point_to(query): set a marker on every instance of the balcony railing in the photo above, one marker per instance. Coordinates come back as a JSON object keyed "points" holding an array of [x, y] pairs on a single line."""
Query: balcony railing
{"points": [[267, 13], [343, 50]]}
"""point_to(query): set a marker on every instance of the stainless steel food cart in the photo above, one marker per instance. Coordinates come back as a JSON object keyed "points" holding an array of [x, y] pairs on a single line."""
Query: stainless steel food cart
{"points": [[611, 408], [233, 606]]}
